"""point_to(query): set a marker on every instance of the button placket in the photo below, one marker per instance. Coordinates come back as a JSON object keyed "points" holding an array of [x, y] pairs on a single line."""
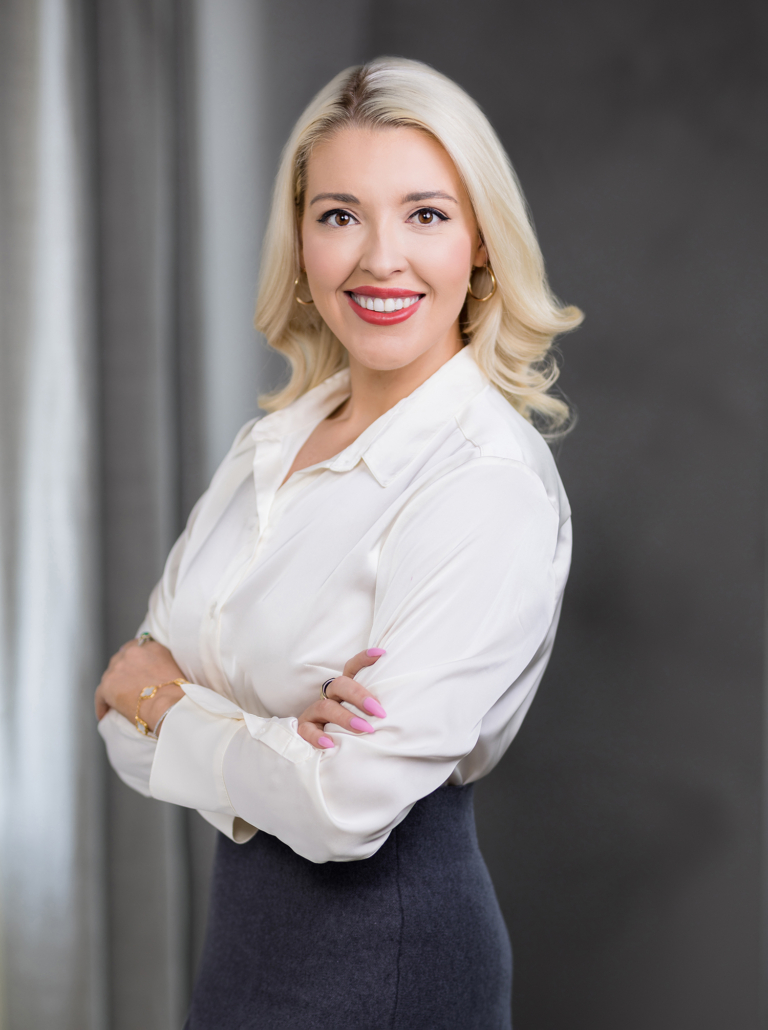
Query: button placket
{"points": [[269, 466], [268, 469], [210, 652]]}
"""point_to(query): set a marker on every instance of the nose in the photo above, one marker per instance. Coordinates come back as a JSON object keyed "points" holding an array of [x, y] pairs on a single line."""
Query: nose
{"points": [[383, 255]]}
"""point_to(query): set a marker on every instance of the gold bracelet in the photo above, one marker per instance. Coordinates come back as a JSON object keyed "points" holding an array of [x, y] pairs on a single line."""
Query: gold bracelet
{"points": [[141, 725]]}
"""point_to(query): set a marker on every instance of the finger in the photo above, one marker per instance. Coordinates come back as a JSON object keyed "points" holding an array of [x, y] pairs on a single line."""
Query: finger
{"points": [[315, 736], [326, 711], [345, 689], [100, 705], [362, 660]]}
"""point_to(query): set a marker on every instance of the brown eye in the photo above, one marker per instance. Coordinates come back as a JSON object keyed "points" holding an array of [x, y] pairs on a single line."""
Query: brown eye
{"points": [[337, 218], [426, 217]]}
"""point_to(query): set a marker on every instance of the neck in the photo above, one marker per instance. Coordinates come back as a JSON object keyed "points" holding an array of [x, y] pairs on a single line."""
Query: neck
{"points": [[374, 392]]}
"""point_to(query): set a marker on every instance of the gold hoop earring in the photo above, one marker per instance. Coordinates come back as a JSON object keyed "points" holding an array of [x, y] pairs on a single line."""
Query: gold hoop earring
{"points": [[297, 298], [481, 300]]}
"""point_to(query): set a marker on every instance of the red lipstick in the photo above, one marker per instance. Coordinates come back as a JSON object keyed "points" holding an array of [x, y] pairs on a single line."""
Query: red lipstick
{"points": [[401, 304]]}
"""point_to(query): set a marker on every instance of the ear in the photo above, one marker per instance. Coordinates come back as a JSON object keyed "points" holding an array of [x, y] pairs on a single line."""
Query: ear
{"points": [[480, 257]]}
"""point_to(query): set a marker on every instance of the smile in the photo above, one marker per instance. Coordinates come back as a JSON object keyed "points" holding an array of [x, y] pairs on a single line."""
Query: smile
{"points": [[380, 304], [384, 307]]}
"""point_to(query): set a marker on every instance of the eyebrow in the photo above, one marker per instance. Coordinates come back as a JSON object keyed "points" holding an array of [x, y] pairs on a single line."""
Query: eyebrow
{"points": [[414, 198], [410, 198], [341, 198]]}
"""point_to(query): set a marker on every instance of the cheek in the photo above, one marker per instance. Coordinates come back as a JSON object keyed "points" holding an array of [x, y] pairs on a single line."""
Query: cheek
{"points": [[325, 260], [446, 268]]}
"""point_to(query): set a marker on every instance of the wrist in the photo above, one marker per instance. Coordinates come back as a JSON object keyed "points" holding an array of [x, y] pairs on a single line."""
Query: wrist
{"points": [[153, 701], [155, 708]]}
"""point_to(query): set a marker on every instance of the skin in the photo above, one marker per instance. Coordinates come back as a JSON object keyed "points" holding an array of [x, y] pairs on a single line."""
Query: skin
{"points": [[384, 232]]}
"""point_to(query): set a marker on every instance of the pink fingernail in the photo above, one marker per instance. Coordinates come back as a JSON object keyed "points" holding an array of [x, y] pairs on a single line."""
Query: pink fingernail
{"points": [[325, 742], [361, 725], [372, 705], [375, 652]]}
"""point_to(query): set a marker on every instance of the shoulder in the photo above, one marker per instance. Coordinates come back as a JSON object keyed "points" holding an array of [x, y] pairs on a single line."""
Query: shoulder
{"points": [[485, 512], [498, 487], [240, 454], [244, 438], [500, 434], [234, 468]]}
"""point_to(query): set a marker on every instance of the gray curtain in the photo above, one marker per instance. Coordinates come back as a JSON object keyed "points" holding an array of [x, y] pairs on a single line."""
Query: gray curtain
{"points": [[138, 139], [145, 281], [53, 898]]}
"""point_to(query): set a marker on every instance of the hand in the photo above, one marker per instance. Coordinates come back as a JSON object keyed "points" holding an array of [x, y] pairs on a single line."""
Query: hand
{"points": [[132, 669], [313, 720]]}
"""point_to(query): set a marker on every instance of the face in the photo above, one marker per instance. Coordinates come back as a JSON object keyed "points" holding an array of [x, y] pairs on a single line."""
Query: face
{"points": [[388, 242]]}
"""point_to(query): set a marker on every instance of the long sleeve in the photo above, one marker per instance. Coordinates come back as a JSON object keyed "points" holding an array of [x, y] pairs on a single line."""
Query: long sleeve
{"points": [[130, 754], [468, 588]]}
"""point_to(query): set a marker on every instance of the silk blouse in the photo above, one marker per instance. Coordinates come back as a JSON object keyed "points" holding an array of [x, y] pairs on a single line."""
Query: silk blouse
{"points": [[442, 534]]}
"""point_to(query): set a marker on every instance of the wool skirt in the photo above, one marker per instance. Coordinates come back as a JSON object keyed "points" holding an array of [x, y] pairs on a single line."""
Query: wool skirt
{"points": [[409, 939]]}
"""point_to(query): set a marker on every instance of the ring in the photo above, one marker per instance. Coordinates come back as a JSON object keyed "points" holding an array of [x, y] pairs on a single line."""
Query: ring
{"points": [[325, 687], [142, 639]]}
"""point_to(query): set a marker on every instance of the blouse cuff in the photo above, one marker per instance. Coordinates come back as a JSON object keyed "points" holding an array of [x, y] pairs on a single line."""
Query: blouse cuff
{"points": [[131, 754], [189, 755]]}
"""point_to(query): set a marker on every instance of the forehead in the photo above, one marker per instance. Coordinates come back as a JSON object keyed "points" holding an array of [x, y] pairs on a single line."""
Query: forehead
{"points": [[396, 159]]}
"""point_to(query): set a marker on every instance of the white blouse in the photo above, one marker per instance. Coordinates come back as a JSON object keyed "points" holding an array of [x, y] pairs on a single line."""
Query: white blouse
{"points": [[442, 534]]}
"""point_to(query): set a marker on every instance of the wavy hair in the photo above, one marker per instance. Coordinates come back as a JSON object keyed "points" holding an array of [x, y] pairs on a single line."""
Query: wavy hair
{"points": [[511, 334]]}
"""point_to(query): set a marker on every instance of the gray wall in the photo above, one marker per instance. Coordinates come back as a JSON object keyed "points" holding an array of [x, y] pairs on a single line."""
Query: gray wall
{"points": [[623, 829]]}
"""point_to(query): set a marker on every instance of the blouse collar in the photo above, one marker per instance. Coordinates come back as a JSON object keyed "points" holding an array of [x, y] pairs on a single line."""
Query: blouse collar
{"points": [[393, 441]]}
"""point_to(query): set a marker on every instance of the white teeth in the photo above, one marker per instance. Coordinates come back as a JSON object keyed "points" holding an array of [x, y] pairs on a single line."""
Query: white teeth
{"points": [[379, 304]]}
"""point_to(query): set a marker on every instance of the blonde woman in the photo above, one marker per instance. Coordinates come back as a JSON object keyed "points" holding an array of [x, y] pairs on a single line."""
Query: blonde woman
{"points": [[354, 623]]}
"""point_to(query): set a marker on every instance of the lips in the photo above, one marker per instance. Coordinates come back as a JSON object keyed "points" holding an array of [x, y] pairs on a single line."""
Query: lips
{"points": [[383, 306]]}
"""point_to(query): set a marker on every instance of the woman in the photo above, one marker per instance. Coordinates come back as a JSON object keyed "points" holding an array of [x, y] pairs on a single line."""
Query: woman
{"points": [[393, 536]]}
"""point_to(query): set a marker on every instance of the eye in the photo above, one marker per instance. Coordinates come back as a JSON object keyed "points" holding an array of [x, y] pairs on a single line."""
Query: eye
{"points": [[337, 218], [428, 216]]}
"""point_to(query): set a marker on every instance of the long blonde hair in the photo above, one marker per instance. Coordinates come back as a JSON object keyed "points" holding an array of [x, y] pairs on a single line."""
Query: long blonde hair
{"points": [[512, 333]]}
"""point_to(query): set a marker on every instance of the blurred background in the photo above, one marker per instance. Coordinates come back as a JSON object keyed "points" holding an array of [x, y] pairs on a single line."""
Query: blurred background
{"points": [[625, 828]]}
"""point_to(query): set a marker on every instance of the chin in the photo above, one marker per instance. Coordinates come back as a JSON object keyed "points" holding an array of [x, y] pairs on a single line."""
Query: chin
{"points": [[384, 348], [385, 355]]}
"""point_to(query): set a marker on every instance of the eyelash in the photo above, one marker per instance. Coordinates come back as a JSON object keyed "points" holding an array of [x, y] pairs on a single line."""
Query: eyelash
{"points": [[325, 218]]}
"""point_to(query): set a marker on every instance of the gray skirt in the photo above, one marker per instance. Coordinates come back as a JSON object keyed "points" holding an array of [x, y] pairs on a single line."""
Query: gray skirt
{"points": [[410, 939]]}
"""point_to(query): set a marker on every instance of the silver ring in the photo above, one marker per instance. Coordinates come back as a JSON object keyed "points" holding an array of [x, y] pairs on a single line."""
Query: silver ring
{"points": [[325, 687], [142, 639]]}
